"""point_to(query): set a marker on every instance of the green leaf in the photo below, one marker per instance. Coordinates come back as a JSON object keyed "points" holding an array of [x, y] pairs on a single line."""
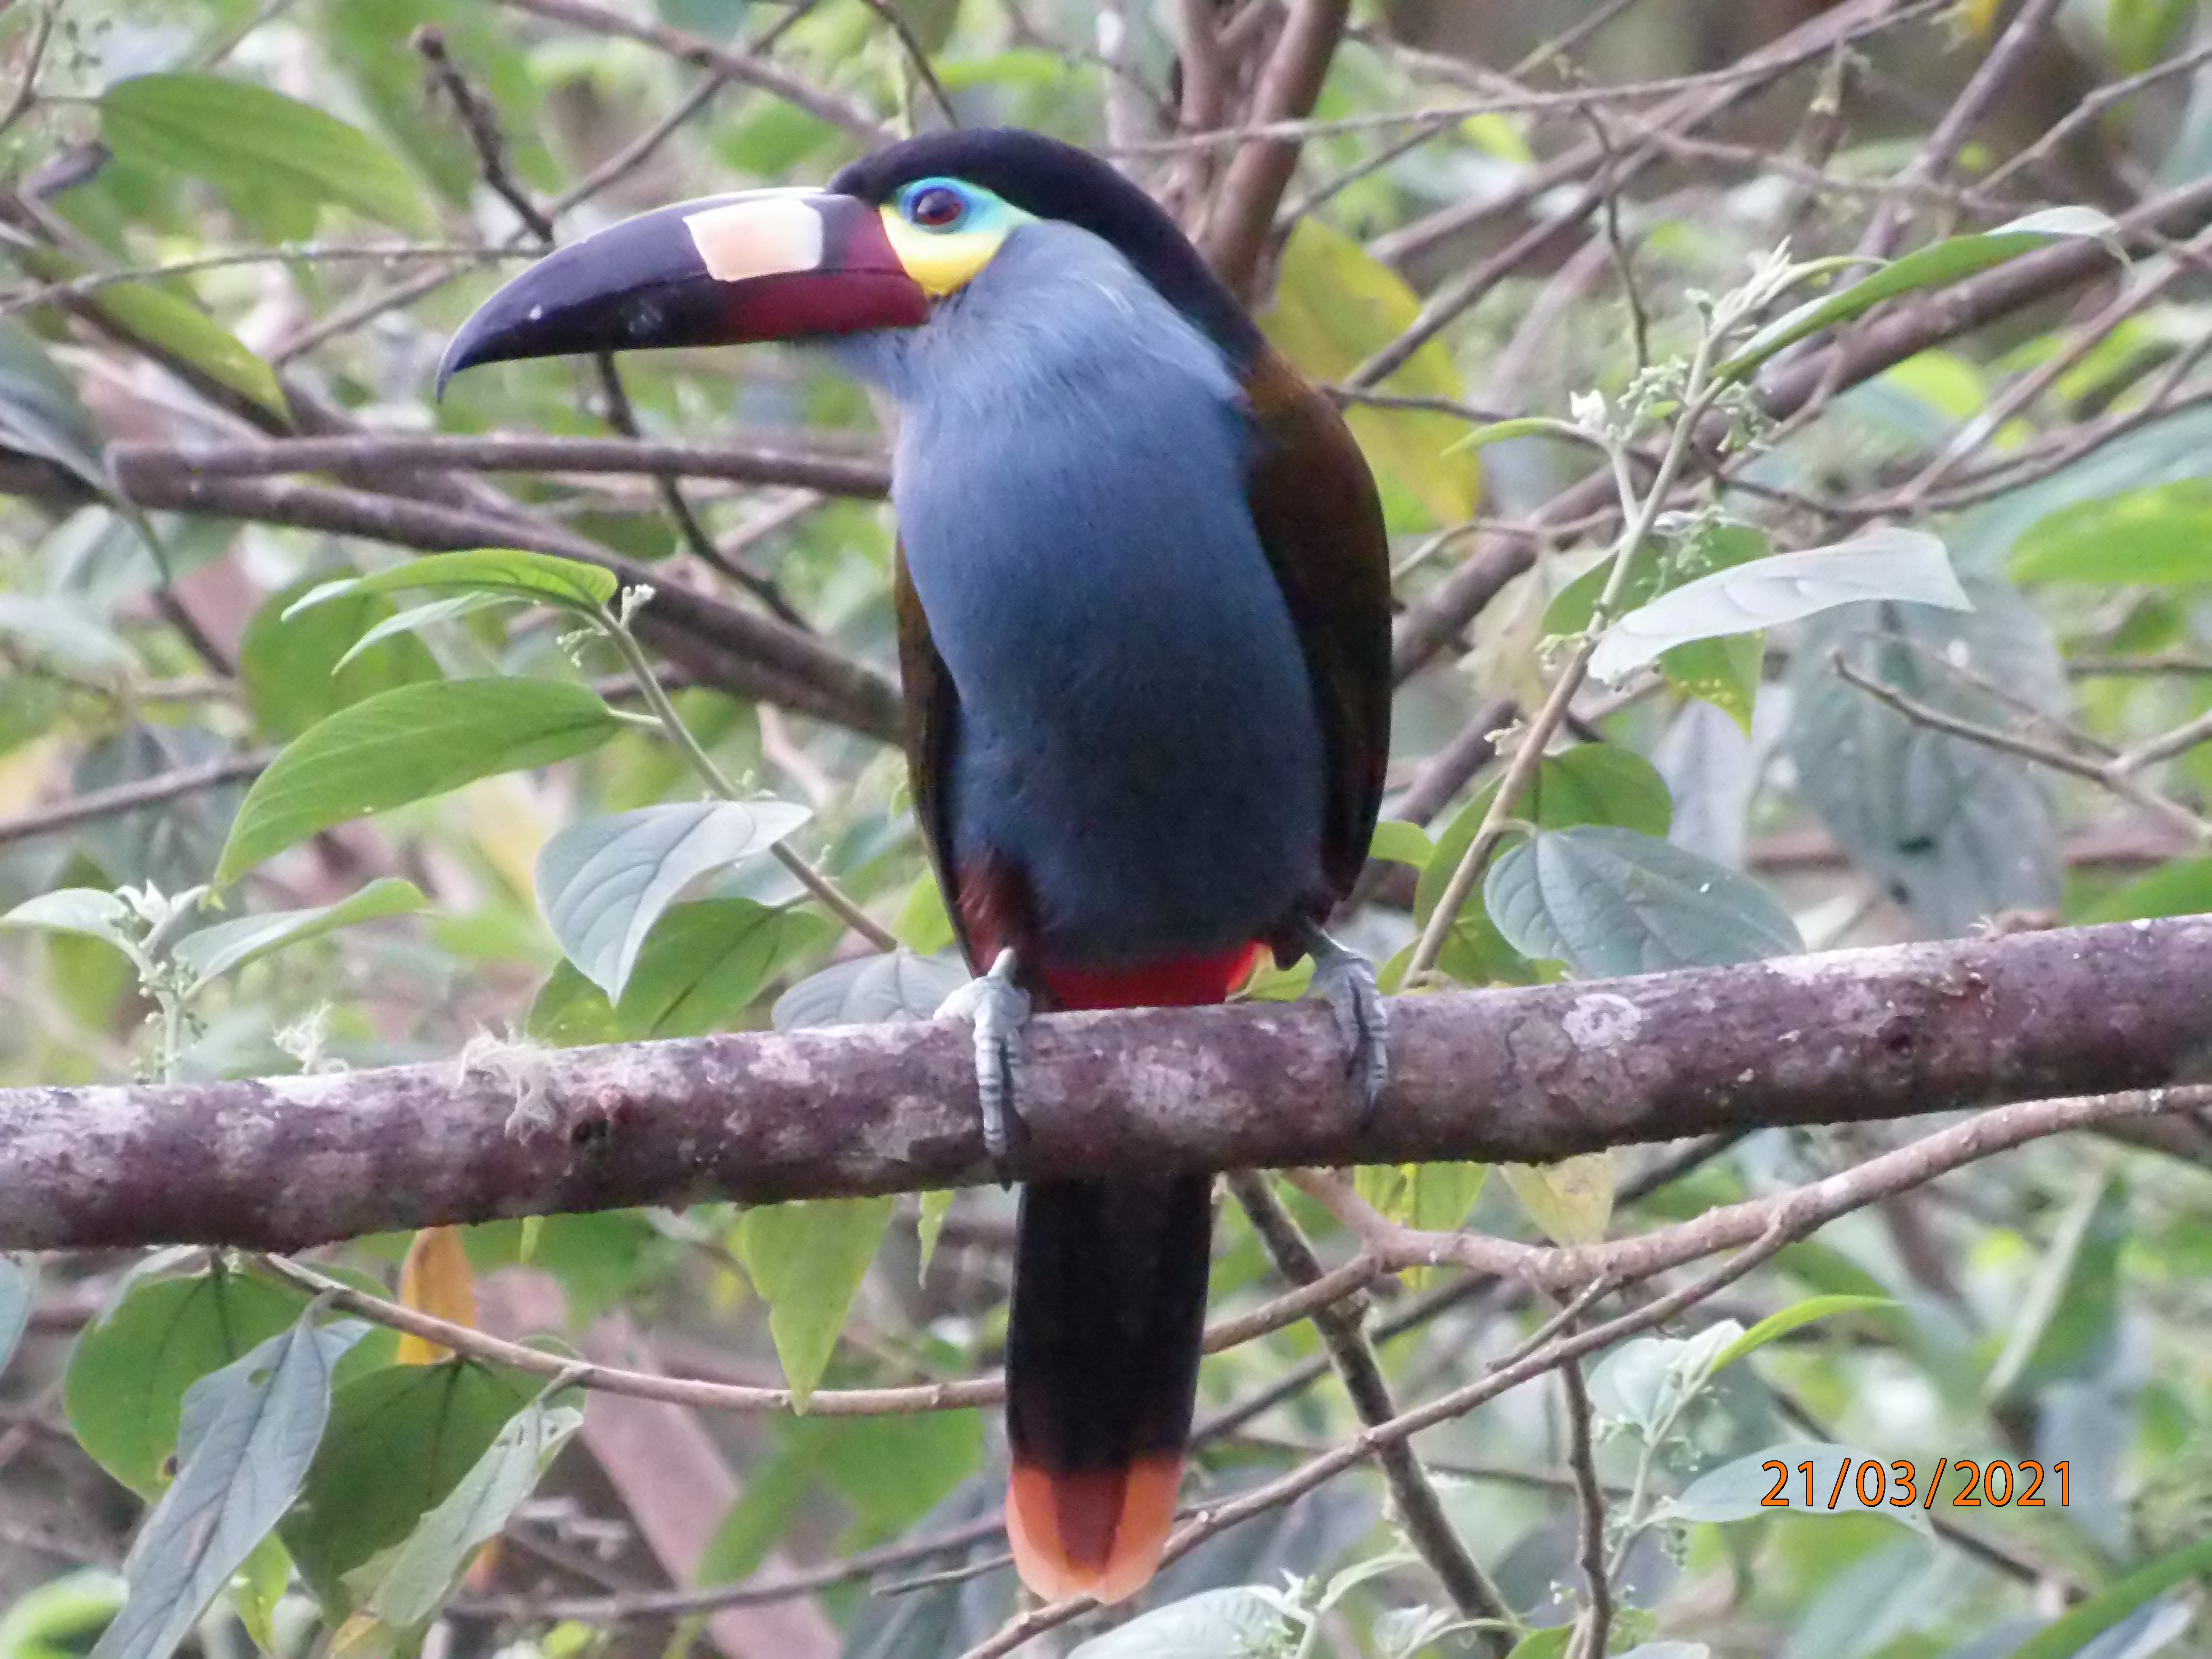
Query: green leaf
{"points": [[257, 1586], [65, 630], [601, 883], [896, 985], [229, 945], [2158, 536], [19, 1287], [895, 1469], [2071, 1634], [1544, 1644], [1336, 305], [1396, 842], [405, 745], [923, 925], [2066, 1325], [502, 572], [1645, 1382], [1924, 268], [297, 670], [936, 1205], [1522, 426], [1591, 783], [1661, 565], [91, 912], [400, 1440], [1953, 829], [1609, 902], [1432, 1197], [1734, 1491], [1723, 671], [703, 965], [423, 1573], [60, 1618], [2139, 32], [1215, 1624], [40, 413], [2179, 887], [1791, 1318], [278, 161], [249, 1432], [168, 324], [807, 1261], [129, 1373], [1905, 566], [414, 620]]}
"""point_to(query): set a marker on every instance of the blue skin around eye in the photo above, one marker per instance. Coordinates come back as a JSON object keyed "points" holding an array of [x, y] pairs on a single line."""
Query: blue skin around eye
{"points": [[1138, 733]]}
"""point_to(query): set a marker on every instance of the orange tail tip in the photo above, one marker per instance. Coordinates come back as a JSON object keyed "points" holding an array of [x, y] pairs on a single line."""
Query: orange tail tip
{"points": [[1099, 1533]]}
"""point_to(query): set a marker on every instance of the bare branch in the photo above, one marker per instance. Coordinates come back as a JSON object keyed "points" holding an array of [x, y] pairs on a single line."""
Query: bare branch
{"points": [[1235, 236], [378, 457], [731, 63], [746, 654], [1299, 1303], [129, 796]]}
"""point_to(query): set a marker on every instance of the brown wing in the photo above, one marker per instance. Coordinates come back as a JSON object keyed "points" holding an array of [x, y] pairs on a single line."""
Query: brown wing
{"points": [[1321, 523], [932, 713]]}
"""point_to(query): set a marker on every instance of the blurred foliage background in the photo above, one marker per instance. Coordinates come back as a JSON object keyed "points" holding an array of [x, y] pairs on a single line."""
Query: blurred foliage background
{"points": [[238, 233]]}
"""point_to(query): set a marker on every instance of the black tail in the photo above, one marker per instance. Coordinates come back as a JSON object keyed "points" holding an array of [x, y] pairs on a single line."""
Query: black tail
{"points": [[1101, 1372]]}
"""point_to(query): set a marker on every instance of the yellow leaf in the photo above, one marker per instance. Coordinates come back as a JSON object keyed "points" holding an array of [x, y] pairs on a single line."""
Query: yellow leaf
{"points": [[1571, 1200], [1980, 16], [1335, 306], [26, 771], [510, 819], [436, 1280]]}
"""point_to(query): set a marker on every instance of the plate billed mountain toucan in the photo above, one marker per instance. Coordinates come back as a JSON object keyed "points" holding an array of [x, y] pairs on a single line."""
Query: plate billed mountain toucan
{"points": [[1142, 596]]}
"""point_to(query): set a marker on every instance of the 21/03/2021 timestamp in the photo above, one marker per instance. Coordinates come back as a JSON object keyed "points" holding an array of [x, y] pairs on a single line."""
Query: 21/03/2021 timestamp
{"points": [[1999, 1483]]}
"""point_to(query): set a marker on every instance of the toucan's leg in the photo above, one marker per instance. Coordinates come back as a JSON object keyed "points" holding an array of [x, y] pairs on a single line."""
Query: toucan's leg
{"points": [[1345, 980], [1000, 1009]]}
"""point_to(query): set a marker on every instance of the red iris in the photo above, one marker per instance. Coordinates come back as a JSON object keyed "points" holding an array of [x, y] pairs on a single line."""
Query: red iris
{"points": [[936, 208]]}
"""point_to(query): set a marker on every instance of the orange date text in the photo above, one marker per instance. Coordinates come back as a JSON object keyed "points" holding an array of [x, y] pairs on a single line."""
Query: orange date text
{"points": [[1996, 1484]]}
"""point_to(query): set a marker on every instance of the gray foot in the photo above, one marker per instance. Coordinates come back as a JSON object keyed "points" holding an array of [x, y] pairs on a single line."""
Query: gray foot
{"points": [[1000, 1009], [1345, 980]]}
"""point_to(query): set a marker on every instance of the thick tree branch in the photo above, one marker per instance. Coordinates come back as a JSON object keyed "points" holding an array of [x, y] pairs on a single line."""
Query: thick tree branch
{"points": [[1526, 1075]]}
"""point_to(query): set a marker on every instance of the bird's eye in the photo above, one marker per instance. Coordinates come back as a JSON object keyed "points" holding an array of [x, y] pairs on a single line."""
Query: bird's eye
{"points": [[936, 207]]}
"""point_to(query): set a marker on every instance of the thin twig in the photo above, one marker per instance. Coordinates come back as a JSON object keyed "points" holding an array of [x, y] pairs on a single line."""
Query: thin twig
{"points": [[1983, 88], [988, 1389], [113, 802], [26, 89], [1420, 1512], [1591, 1630], [916, 56], [2109, 774]]}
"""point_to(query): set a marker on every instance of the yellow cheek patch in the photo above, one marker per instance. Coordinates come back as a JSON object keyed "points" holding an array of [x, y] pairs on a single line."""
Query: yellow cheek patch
{"points": [[766, 235], [941, 262]]}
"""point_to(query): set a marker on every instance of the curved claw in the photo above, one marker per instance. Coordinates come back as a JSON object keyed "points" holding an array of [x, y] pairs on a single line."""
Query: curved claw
{"points": [[1345, 980], [1000, 1009]]}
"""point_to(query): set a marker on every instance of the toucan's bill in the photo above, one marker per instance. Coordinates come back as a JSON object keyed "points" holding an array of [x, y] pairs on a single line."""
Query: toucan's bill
{"points": [[766, 264]]}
